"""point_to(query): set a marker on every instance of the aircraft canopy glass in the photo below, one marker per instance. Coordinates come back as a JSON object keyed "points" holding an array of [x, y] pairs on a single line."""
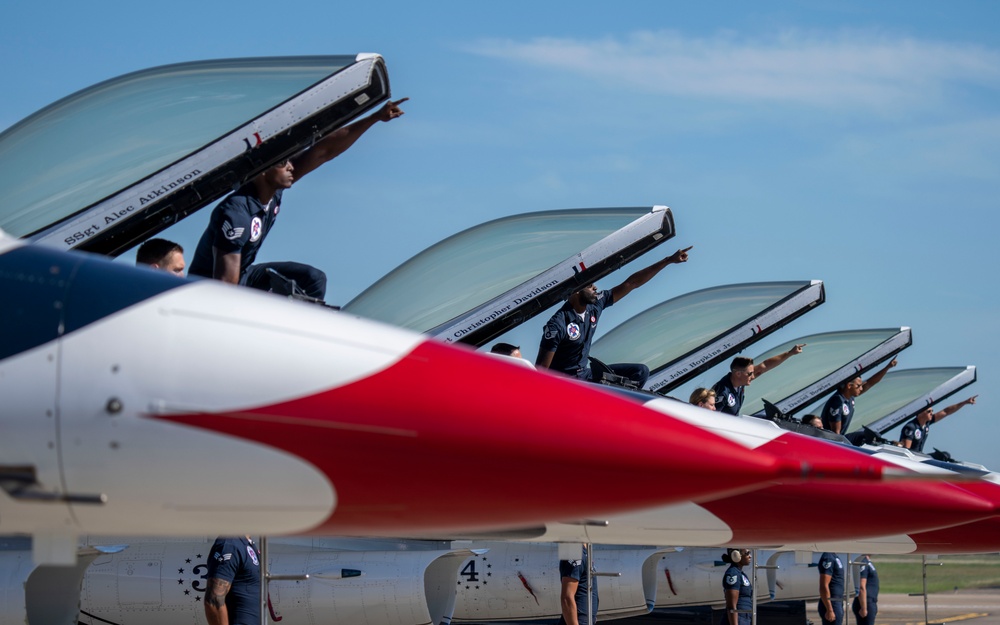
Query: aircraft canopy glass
{"points": [[823, 355], [668, 331], [899, 388], [474, 266], [95, 142]]}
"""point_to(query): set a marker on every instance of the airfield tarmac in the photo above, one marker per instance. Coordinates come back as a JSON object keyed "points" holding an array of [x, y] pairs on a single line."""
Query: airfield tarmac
{"points": [[980, 607]]}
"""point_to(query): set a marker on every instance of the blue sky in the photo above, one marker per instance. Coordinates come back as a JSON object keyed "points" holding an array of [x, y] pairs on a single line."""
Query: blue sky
{"points": [[851, 142]]}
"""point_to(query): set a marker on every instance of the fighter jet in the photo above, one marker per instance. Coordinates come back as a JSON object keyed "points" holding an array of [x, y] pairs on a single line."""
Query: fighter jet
{"points": [[369, 581], [123, 414]]}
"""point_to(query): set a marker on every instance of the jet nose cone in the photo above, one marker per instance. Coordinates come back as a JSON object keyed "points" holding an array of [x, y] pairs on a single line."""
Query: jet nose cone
{"points": [[489, 444], [892, 507], [447, 439]]}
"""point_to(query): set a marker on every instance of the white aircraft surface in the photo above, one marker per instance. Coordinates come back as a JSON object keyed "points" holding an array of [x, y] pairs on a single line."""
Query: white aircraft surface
{"points": [[122, 415], [148, 581], [136, 403]]}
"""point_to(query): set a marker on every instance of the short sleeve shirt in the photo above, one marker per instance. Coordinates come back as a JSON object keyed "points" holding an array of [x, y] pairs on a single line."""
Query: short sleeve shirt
{"points": [[838, 409], [869, 573], [239, 223], [830, 564], [569, 335], [577, 570], [728, 398], [735, 579], [235, 560], [916, 434]]}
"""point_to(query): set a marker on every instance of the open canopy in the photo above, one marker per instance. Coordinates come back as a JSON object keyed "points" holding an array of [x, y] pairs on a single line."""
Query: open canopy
{"points": [[479, 283], [690, 333], [902, 394], [111, 165], [827, 360]]}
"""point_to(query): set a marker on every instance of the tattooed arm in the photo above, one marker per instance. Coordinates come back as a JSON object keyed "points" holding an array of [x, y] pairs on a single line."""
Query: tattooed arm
{"points": [[215, 601]]}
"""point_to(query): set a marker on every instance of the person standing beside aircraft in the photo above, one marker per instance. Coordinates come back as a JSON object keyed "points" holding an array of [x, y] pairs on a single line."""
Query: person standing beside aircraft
{"points": [[232, 593], [573, 596], [567, 336], [703, 398], [163, 255], [730, 389], [914, 434], [737, 588], [831, 589], [839, 409], [240, 223], [865, 605]]}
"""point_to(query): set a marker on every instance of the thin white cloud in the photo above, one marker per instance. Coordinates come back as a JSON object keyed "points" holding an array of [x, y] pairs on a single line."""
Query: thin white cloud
{"points": [[845, 70]]}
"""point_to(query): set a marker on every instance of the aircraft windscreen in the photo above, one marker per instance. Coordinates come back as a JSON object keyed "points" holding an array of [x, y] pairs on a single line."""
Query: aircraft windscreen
{"points": [[901, 394], [824, 356], [478, 264], [667, 332], [95, 142]]}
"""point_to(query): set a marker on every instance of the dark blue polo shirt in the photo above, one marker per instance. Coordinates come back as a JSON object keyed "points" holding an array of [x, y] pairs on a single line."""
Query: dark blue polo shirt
{"points": [[916, 433], [830, 564], [728, 398], [569, 336], [871, 586], [838, 409], [577, 570], [736, 579], [235, 560], [239, 223]]}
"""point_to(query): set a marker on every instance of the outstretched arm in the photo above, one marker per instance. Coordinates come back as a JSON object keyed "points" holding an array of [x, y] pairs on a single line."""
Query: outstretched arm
{"points": [[643, 276], [338, 141], [941, 414], [774, 361], [875, 379]]}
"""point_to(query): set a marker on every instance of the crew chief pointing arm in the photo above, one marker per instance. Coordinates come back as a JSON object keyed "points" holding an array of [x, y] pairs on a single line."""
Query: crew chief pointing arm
{"points": [[227, 266], [772, 362], [631, 283], [875, 379]]}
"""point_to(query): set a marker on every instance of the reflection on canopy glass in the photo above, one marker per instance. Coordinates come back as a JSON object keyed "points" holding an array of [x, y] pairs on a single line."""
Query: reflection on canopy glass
{"points": [[98, 141], [824, 354], [474, 266], [899, 388], [668, 331]]}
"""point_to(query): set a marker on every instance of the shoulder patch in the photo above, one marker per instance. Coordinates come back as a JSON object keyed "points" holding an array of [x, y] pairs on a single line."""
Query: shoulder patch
{"points": [[230, 232]]}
